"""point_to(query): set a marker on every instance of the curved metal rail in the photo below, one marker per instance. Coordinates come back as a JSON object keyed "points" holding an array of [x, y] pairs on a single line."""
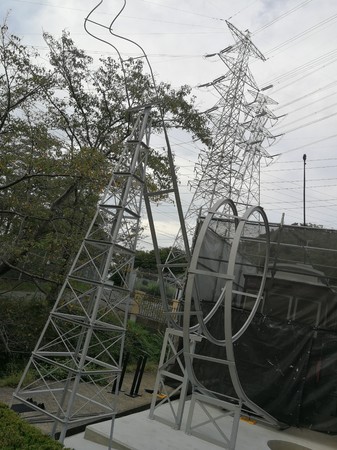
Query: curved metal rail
{"points": [[230, 289]]}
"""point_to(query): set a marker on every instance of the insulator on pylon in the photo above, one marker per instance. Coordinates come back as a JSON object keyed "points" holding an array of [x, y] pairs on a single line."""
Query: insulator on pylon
{"points": [[227, 49], [210, 55]]}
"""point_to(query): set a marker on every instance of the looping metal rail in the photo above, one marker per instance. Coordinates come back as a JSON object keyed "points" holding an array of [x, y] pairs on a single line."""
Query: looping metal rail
{"points": [[236, 241], [223, 277]]}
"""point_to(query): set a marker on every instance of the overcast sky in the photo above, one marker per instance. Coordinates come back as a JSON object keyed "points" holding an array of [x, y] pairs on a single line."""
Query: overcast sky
{"points": [[299, 40]]}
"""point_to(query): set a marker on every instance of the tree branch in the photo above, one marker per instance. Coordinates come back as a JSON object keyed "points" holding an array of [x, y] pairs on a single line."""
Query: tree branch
{"points": [[28, 274], [34, 175]]}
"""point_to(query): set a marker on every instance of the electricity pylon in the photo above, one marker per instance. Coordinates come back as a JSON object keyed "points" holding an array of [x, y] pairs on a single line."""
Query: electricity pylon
{"points": [[78, 358], [230, 167]]}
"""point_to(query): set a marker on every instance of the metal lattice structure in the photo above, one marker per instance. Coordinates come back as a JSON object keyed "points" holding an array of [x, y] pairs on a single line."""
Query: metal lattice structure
{"points": [[222, 275], [230, 167], [79, 354], [227, 248]]}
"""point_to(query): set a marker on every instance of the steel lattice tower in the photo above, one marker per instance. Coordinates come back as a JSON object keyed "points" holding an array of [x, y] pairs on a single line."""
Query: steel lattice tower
{"points": [[227, 182], [230, 167], [79, 354]]}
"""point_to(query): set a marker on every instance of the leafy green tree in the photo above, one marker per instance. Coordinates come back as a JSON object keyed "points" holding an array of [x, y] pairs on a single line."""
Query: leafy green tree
{"points": [[62, 126], [145, 260]]}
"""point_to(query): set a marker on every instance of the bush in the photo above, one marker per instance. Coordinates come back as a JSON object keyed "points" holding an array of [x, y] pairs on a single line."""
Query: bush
{"points": [[141, 341], [12, 379], [23, 320], [151, 287], [18, 434]]}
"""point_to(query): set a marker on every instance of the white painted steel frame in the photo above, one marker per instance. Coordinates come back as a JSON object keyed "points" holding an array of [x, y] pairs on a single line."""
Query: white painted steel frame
{"points": [[89, 317], [200, 392], [175, 398]]}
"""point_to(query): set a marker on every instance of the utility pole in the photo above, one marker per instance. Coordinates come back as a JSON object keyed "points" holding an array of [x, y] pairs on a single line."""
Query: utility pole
{"points": [[304, 164]]}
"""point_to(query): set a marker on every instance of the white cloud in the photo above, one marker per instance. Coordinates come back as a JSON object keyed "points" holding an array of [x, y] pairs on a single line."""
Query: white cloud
{"points": [[299, 41]]}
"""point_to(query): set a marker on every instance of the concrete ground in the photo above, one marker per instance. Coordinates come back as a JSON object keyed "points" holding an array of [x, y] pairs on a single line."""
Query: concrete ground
{"points": [[135, 431], [138, 432]]}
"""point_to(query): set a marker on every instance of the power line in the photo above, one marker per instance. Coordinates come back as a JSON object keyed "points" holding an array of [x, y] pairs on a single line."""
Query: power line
{"points": [[279, 129], [313, 102], [311, 160], [308, 94], [310, 30], [321, 61], [298, 187], [281, 16], [310, 123], [242, 9], [309, 144], [183, 10]]}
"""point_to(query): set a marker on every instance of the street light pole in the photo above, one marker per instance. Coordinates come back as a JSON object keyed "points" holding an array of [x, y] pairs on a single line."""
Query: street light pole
{"points": [[304, 164]]}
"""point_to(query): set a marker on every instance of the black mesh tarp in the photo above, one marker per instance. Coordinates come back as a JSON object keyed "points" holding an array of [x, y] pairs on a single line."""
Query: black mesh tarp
{"points": [[287, 358]]}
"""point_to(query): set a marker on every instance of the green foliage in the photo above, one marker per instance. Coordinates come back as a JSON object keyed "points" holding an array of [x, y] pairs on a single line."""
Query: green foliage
{"points": [[13, 376], [152, 287], [62, 128], [23, 318], [57, 151], [141, 341], [17, 434], [146, 260]]}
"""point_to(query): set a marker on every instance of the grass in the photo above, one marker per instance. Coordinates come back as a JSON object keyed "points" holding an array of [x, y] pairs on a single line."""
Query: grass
{"points": [[17, 434]]}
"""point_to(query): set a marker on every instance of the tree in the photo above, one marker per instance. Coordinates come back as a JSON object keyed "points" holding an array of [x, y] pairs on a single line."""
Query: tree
{"points": [[61, 130], [145, 260]]}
